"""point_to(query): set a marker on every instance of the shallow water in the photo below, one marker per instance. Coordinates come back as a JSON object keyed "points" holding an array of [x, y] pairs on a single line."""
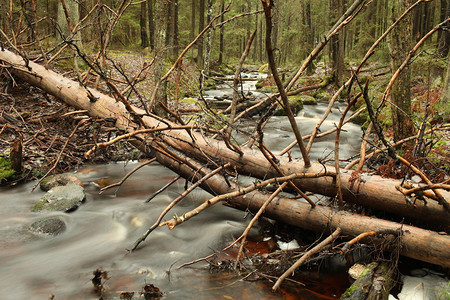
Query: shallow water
{"points": [[99, 233]]}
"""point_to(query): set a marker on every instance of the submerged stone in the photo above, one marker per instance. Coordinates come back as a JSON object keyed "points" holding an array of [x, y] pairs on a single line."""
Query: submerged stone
{"points": [[59, 180], [61, 198], [49, 226]]}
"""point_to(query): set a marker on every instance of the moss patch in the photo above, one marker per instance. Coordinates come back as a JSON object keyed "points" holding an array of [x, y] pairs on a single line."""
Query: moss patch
{"points": [[6, 170]]}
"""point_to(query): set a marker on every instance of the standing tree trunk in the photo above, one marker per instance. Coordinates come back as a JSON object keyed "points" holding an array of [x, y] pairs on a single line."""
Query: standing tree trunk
{"points": [[207, 60], [445, 97], [143, 25], [201, 25], [63, 22], [337, 42], [161, 9], [221, 33], [192, 32], [400, 45], [175, 28], [151, 25], [443, 39]]}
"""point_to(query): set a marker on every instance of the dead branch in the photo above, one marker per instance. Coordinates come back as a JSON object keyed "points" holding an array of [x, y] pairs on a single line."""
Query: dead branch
{"points": [[406, 62], [241, 191], [336, 148], [118, 184], [287, 108], [173, 203], [243, 237], [308, 254], [60, 153]]}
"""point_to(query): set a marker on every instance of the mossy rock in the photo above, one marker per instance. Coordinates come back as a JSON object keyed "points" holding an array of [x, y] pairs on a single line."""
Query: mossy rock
{"points": [[295, 103], [61, 198], [189, 100], [210, 84], [308, 100], [322, 95], [268, 89], [264, 68], [6, 170], [59, 180]]}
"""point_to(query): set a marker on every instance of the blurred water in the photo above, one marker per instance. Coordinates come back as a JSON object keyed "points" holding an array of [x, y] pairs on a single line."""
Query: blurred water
{"points": [[99, 233]]}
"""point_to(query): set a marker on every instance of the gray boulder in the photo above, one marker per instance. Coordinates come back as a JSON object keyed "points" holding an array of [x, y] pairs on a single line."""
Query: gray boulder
{"points": [[61, 198], [59, 180], [48, 226]]}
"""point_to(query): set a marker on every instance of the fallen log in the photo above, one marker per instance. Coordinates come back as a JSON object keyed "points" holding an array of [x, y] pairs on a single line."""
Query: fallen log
{"points": [[366, 190], [417, 243], [372, 191]]}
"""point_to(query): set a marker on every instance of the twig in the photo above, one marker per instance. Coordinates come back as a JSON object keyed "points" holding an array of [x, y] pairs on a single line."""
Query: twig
{"points": [[299, 262], [369, 155], [358, 238], [162, 189], [60, 153], [174, 202], [438, 194], [428, 187], [130, 134], [287, 108], [255, 218], [118, 184], [336, 148], [242, 191], [362, 151]]}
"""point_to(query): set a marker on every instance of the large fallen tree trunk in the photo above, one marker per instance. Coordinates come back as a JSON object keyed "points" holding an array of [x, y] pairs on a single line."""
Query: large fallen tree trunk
{"points": [[373, 191]]}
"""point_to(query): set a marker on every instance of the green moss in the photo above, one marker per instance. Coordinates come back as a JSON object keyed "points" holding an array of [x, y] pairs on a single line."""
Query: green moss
{"points": [[210, 84], [189, 100], [350, 291], [6, 170], [268, 89], [38, 206], [264, 68]]}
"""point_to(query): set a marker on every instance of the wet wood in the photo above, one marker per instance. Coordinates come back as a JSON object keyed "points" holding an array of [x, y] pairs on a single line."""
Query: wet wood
{"points": [[372, 191], [366, 190]]}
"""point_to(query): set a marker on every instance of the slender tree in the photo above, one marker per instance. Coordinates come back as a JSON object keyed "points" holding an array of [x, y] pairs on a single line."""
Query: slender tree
{"points": [[201, 25], [337, 42], [443, 38], [151, 25], [400, 45], [161, 9], [208, 40], [221, 33], [143, 24]]}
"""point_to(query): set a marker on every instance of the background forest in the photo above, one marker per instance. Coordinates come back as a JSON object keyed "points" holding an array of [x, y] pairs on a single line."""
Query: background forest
{"points": [[298, 26]]}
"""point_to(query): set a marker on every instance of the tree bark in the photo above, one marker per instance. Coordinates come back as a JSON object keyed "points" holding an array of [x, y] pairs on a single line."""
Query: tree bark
{"points": [[151, 25], [207, 60], [372, 190], [221, 33], [400, 45], [161, 9], [201, 25], [143, 25]]}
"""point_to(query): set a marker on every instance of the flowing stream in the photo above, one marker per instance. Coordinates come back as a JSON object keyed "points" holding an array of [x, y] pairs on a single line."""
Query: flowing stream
{"points": [[98, 234]]}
